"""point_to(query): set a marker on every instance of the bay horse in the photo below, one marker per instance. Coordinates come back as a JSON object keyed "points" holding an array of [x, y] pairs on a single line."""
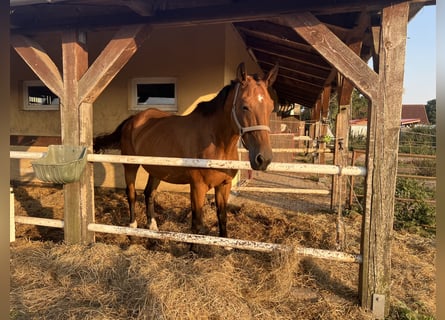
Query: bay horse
{"points": [[241, 110]]}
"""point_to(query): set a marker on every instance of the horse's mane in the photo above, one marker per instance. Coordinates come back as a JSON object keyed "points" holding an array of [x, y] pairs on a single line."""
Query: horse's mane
{"points": [[209, 107]]}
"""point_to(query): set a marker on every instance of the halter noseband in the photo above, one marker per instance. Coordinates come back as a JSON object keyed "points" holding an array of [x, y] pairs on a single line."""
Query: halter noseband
{"points": [[243, 130]]}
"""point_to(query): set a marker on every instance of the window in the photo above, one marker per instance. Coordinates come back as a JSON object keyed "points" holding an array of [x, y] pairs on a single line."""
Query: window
{"points": [[36, 96], [153, 93]]}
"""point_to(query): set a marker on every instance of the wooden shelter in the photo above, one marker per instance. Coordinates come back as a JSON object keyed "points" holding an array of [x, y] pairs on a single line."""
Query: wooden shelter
{"points": [[320, 45]]}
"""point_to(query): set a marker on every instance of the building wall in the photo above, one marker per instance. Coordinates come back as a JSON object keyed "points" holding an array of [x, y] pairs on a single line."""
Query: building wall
{"points": [[202, 58], [358, 130]]}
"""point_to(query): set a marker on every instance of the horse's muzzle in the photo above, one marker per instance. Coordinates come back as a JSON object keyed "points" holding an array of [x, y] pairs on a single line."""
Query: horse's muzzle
{"points": [[260, 162]]}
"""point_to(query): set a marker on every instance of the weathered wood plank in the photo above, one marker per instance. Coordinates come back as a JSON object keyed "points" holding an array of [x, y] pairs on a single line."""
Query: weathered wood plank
{"points": [[339, 183], [75, 63], [82, 86], [87, 179], [76, 130], [339, 186], [287, 52], [39, 62], [349, 64], [375, 30], [383, 140], [324, 109], [111, 60]]}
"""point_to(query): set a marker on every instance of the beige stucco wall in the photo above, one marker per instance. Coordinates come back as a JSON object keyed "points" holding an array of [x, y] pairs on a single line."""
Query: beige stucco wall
{"points": [[32, 122], [235, 52], [202, 58]]}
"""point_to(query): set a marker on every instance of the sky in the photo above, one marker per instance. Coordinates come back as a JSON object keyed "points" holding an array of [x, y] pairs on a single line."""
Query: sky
{"points": [[420, 60]]}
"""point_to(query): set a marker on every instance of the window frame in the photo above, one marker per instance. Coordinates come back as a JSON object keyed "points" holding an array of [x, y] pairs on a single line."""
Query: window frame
{"points": [[133, 94], [26, 84]]}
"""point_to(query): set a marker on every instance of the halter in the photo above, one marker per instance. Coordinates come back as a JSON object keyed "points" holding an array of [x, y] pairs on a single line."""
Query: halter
{"points": [[243, 130]]}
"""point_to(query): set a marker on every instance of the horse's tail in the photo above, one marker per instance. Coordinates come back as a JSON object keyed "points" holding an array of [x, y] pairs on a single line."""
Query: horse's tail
{"points": [[109, 141]]}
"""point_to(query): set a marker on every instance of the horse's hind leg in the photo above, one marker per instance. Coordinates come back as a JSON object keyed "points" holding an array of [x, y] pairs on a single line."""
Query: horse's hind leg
{"points": [[222, 193], [130, 177], [149, 192]]}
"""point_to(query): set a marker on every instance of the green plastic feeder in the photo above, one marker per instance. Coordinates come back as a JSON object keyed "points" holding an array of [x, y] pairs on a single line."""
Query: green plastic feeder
{"points": [[61, 164]]}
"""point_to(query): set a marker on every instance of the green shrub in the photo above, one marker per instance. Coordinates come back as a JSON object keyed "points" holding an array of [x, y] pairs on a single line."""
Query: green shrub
{"points": [[425, 167], [417, 215], [400, 311], [418, 140], [357, 142]]}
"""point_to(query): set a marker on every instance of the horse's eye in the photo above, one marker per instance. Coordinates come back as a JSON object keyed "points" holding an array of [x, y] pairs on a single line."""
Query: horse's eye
{"points": [[245, 108]]}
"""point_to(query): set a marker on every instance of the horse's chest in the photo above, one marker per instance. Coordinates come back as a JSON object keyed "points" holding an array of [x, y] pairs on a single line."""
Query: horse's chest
{"points": [[213, 178]]}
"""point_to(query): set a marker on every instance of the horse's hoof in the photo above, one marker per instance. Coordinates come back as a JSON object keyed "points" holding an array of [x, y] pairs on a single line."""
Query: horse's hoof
{"points": [[153, 225], [133, 224], [202, 230]]}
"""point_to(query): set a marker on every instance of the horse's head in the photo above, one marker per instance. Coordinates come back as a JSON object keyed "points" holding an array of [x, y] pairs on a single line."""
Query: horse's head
{"points": [[251, 110]]}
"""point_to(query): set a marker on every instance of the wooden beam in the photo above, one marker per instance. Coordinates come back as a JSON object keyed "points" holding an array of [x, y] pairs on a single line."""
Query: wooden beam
{"points": [[111, 60], [82, 85], [75, 63], [275, 48], [381, 161], [295, 65], [344, 92], [232, 11], [141, 7], [325, 98], [341, 153], [349, 64], [375, 30], [77, 128], [39, 62]]}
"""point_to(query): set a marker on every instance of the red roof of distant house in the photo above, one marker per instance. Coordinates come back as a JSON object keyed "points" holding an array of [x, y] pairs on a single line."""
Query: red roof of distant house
{"points": [[358, 122], [411, 114], [415, 111]]}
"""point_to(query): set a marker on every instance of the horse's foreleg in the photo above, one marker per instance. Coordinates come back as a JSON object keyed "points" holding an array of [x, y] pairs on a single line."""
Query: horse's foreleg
{"points": [[149, 194], [197, 198], [222, 193], [130, 177]]}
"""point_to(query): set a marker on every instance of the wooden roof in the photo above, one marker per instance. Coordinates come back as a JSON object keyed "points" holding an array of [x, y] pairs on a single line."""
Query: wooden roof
{"points": [[303, 71], [415, 111]]}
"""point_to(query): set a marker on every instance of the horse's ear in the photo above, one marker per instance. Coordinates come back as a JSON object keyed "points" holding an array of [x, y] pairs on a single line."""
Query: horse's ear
{"points": [[241, 72], [272, 75]]}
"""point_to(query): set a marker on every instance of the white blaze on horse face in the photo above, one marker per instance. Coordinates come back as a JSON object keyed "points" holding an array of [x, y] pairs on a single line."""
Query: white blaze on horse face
{"points": [[260, 98]]}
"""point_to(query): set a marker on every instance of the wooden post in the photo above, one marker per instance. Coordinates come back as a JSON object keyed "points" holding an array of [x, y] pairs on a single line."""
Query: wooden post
{"points": [[82, 86], [351, 187], [341, 153], [383, 140], [385, 91], [77, 129], [78, 89], [341, 142], [338, 194], [325, 98]]}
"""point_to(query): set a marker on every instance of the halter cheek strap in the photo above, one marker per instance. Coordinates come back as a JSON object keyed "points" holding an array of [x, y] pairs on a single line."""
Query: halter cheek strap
{"points": [[243, 130]]}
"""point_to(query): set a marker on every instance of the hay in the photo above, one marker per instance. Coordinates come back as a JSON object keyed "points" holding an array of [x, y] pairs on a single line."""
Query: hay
{"points": [[123, 277], [56, 281]]}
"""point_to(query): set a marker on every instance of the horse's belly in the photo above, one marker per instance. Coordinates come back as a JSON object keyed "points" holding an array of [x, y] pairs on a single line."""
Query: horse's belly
{"points": [[179, 175], [169, 174]]}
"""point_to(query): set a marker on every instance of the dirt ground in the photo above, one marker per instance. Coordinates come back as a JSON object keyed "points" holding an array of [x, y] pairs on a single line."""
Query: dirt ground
{"points": [[121, 277]]}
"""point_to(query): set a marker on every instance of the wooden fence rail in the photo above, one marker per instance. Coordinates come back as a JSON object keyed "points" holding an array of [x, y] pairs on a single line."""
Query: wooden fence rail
{"points": [[209, 163], [200, 239]]}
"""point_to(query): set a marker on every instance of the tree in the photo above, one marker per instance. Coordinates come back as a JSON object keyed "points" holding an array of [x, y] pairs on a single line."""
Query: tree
{"points": [[430, 109], [359, 105]]}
